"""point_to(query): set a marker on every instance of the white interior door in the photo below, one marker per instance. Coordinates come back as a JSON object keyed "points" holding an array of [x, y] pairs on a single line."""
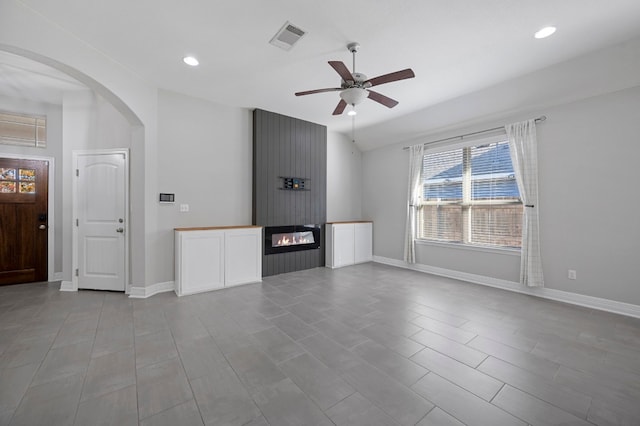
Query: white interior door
{"points": [[101, 221]]}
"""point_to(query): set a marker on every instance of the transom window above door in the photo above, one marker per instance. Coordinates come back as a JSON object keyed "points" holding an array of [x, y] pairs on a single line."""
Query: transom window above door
{"points": [[23, 130]]}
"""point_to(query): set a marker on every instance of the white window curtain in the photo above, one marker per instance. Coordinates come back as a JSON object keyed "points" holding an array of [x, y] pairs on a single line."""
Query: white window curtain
{"points": [[524, 156], [416, 154]]}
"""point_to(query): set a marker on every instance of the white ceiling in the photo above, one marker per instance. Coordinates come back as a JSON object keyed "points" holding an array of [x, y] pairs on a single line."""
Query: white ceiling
{"points": [[455, 47], [22, 78]]}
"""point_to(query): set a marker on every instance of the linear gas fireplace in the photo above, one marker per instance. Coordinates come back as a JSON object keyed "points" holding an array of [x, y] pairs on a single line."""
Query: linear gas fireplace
{"points": [[284, 239]]}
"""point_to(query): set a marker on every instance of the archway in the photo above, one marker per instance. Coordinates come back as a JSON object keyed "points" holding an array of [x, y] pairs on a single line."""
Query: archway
{"points": [[136, 136]]}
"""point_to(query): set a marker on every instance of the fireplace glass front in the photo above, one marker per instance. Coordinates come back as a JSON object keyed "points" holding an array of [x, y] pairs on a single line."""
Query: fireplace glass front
{"points": [[283, 239]]}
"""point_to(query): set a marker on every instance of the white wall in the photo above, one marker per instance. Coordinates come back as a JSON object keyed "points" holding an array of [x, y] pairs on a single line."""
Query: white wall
{"points": [[53, 149], [596, 73], [589, 173], [205, 158], [88, 122], [588, 152], [112, 130], [344, 179]]}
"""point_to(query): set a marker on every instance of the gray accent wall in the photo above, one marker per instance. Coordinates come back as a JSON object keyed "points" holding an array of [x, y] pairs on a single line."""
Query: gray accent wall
{"points": [[288, 147]]}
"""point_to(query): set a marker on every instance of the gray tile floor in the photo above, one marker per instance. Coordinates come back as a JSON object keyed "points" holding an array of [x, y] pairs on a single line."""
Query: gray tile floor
{"points": [[363, 345]]}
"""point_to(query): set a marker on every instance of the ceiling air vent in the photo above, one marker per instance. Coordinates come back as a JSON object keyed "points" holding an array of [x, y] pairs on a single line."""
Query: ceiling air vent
{"points": [[288, 35]]}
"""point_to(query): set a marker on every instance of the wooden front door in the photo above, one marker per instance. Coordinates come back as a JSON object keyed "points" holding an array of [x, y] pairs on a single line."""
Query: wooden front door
{"points": [[23, 220]]}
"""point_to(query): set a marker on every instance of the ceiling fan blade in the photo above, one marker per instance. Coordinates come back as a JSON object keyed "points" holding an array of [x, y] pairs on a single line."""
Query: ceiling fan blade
{"points": [[341, 69], [382, 99], [394, 76], [311, 92], [340, 108]]}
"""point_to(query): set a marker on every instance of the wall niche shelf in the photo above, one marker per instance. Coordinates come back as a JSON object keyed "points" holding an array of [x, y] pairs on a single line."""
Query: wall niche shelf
{"points": [[294, 183]]}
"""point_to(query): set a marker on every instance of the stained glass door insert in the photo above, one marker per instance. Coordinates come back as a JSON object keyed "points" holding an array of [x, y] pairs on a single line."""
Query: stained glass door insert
{"points": [[27, 175], [7, 187], [24, 182], [27, 187], [7, 174], [7, 181]]}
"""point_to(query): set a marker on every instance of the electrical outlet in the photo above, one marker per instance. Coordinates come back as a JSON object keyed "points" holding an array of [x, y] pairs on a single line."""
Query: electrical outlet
{"points": [[572, 274], [184, 207]]}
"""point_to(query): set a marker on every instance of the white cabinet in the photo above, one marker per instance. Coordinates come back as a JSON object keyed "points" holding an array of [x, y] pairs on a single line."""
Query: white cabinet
{"points": [[243, 256], [343, 244], [363, 242], [348, 243], [199, 261], [212, 258]]}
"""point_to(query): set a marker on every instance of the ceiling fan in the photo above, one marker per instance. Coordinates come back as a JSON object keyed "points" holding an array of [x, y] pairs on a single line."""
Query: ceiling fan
{"points": [[354, 87]]}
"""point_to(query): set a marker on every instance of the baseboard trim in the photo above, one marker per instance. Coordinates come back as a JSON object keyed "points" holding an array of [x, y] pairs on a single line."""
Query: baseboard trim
{"points": [[598, 303], [68, 286], [144, 292]]}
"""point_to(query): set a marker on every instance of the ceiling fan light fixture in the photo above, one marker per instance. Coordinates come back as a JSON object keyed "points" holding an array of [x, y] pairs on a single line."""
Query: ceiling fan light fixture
{"points": [[545, 32], [355, 86], [354, 95], [191, 61], [352, 112]]}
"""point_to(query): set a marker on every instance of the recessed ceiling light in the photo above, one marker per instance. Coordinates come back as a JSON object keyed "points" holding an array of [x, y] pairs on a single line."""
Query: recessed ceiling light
{"points": [[190, 60], [545, 32]]}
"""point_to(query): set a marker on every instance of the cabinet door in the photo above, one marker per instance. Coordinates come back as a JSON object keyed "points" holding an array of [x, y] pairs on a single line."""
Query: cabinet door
{"points": [[343, 247], [363, 250], [201, 261], [243, 256]]}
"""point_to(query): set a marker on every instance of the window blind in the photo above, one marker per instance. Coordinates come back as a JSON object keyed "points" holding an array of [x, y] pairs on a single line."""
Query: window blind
{"points": [[17, 129], [470, 196]]}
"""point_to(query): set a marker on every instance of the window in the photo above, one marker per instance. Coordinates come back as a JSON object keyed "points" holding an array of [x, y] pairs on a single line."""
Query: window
{"points": [[24, 130], [23, 182], [470, 196]]}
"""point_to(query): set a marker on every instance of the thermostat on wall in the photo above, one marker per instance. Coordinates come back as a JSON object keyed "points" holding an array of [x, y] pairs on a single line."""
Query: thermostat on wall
{"points": [[167, 198]]}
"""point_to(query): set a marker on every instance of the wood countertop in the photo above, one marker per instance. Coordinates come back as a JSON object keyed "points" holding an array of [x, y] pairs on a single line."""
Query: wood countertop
{"points": [[215, 228], [349, 221]]}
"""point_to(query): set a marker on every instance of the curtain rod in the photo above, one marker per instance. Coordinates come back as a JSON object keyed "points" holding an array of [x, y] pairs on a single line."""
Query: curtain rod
{"points": [[479, 132]]}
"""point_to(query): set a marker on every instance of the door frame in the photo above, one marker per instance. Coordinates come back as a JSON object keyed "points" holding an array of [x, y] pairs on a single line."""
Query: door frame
{"points": [[51, 220], [74, 234]]}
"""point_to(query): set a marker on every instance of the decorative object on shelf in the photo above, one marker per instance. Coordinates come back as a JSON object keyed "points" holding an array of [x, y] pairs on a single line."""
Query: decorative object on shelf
{"points": [[294, 183]]}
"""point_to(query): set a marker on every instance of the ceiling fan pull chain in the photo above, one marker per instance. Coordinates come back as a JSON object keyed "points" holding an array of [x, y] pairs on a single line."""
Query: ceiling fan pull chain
{"points": [[353, 129]]}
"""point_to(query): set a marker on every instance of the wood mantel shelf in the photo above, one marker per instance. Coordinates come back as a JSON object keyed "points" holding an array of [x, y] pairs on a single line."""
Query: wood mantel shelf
{"points": [[215, 228]]}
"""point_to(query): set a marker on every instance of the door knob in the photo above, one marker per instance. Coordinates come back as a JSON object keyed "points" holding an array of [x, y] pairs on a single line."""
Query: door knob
{"points": [[120, 230], [42, 227]]}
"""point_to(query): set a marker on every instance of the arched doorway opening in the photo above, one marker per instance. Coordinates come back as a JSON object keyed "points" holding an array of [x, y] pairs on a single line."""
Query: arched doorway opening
{"points": [[90, 117]]}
